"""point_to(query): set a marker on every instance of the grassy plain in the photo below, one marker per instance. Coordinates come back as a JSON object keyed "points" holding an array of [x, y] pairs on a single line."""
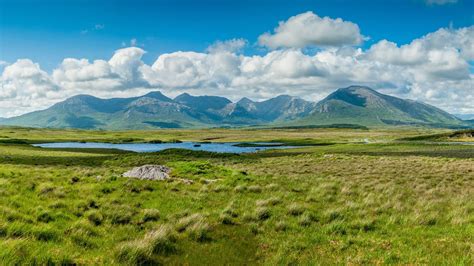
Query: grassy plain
{"points": [[364, 199]]}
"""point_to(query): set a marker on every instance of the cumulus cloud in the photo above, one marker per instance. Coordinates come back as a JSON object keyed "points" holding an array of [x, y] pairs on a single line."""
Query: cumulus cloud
{"points": [[25, 86], [441, 55], [308, 29], [80, 75], [127, 63], [435, 68], [231, 46]]}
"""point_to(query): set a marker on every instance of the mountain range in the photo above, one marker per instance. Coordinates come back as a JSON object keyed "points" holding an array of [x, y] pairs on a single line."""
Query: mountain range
{"points": [[356, 105]]}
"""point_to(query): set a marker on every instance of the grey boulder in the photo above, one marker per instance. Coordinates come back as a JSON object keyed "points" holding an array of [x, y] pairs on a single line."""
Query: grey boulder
{"points": [[149, 172]]}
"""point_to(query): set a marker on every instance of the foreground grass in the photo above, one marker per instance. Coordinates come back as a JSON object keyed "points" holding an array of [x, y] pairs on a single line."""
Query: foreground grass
{"points": [[343, 203]]}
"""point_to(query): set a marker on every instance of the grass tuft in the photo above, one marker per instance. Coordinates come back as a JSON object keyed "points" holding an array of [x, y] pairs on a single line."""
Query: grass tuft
{"points": [[187, 221], [199, 231], [262, 213], [296, 209], [95, 217], [255, 189], [268, 202], [150, 215]]}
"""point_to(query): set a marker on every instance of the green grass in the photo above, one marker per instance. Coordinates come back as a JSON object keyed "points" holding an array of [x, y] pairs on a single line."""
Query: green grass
{"points": [[346, 203]]}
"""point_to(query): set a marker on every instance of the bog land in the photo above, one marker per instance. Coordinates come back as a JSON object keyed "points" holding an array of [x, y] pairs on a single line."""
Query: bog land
{"points": [[402, 196]]}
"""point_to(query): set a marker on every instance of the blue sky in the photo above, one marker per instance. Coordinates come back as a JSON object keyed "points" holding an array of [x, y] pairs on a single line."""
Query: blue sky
{"points": [[47, 31], [416, 49]]}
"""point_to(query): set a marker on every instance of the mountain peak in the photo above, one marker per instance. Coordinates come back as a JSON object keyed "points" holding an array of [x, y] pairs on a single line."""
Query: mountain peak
{"points": [[357, 89], [356, 95], [157, 95], [245, 100], [351, 105], [183, 95], [202, 103]]}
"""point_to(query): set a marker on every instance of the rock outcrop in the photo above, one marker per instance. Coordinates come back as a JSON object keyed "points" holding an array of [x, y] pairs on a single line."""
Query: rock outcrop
{"points": [[149, 172]]}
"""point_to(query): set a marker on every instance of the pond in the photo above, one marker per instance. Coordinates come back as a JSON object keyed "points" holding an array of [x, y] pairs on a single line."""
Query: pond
{"points": [[230, 147]]}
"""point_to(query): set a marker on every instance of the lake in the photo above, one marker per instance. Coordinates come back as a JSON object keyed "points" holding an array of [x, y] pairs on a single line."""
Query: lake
{"points": [[230, 147]]}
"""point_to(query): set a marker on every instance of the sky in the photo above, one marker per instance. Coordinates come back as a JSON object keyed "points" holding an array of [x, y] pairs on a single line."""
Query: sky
{"points": [[416, 49]]}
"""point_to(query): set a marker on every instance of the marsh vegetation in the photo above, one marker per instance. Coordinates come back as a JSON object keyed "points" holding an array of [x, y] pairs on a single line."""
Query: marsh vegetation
{"points": [[349, 202]]}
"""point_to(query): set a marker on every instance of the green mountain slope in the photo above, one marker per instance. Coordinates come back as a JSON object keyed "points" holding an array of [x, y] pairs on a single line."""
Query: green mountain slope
{"points": [[280, 108], [364, 106], [353, 105]]}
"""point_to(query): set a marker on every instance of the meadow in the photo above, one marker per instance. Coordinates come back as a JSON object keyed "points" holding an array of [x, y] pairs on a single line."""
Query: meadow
{"points": [[346, 196]]}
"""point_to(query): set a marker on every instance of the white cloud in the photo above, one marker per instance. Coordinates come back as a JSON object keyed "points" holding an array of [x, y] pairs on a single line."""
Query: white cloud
{"points": [[441, 55], [25, 87], [80, 75], [308, 29], [127, 63], [231, 46], [434, 68]]}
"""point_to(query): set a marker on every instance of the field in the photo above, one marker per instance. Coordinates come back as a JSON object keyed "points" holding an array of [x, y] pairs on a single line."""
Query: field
{"points": [[353, 197]]}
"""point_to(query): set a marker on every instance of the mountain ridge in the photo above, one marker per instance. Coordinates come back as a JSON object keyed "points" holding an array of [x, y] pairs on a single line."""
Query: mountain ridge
{"points": [[357, 105]]}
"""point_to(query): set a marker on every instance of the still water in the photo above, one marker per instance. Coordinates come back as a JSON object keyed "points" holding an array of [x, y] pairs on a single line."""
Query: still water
{"points": [[152, 147]]}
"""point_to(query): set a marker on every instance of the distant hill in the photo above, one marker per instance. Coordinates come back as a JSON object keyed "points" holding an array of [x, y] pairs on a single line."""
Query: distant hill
{"points": [[365, 106], [355, 107], [155, 110], [465, 116]]}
